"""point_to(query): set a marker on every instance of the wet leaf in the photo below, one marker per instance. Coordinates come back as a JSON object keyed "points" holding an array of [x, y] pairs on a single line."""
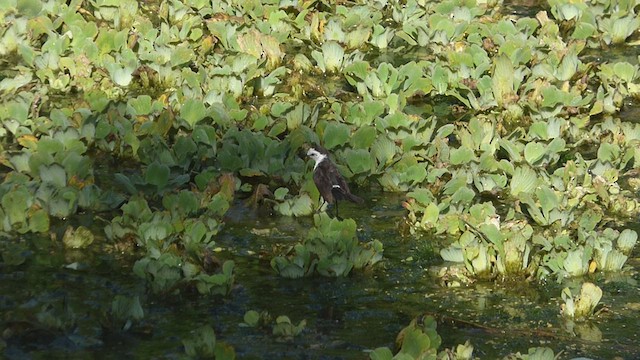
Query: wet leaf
{"points": [[15, 204], [251, 318], [524, 180], [461, 155], [534, 152], [359, 161], [336, 134], [78, 238], [192, 111], [627, 241], [157, 174], [54, 175], [363, 138]]}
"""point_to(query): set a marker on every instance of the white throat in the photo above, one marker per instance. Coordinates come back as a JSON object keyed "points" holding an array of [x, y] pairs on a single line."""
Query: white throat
{"points": [[317, 156], [320, 158]]}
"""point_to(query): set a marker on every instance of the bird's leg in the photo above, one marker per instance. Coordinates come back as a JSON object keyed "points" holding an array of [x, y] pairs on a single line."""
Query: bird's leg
{"points": [[321, 204], [335, 203]]}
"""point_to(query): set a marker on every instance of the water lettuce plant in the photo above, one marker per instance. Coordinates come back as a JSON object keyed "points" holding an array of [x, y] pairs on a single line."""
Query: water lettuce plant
{"points": [[203, 343], [331, 249], [420, 340], [581, 306]]}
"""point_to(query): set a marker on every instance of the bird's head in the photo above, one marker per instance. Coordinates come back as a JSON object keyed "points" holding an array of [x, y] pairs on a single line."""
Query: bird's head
{"points": [[316, 155]]}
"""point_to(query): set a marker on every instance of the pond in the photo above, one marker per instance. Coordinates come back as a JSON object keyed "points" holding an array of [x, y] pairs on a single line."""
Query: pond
{"points": [[56, 304]]}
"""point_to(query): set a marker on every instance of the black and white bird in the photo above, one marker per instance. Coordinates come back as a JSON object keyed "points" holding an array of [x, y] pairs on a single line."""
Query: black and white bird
{"points": [[328, 180]]}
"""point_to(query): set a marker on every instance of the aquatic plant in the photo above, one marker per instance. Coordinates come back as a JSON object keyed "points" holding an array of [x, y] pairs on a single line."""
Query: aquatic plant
{"points": [[203, 343], [581, 306], [123, 314], [331, 248], [420, 340]]}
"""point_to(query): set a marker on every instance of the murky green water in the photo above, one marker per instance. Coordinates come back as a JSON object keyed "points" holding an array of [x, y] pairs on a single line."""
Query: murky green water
{"points": [[53, 311]]}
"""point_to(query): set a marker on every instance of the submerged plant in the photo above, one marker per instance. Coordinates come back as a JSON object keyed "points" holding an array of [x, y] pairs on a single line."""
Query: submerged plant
{"points": [[124, 312]]}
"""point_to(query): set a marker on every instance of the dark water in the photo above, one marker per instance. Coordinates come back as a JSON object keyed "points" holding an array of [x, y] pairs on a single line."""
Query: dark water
{"points": [[50, 311]]}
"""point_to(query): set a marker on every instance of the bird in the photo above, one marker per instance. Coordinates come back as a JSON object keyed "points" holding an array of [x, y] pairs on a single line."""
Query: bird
{"points": [[328, 180]]}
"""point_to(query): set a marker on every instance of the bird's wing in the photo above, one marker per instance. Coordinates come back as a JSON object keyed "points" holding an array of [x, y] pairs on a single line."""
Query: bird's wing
{"points": [[322, 179], [337, 181], [339, 186]]}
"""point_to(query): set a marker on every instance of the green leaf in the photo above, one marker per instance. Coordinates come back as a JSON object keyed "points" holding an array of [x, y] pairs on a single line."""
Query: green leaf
{"points": [[29, 8], [39, 221], [78, 238], [463, 195], [511, 149], [415, 343], [440, 79], [121, 76], [336, 134], [15, 204], [524, 180], [181, 54], [280, 108], [453, 254], [363, 138], [415, 173], [192, 111], [608, 152], [53, 174], [358, 160], [627, 241], [157, 174], [503, 78], [431, 214], [534, 152], [461, 155], [332, 55], [141, 105], [625, 71], [280, 193], [381, 353], [251, 318]]}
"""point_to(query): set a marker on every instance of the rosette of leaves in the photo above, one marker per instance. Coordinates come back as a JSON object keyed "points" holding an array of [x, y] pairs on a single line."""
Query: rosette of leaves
{"points": [[617, 81], [300, 205], [254, 155], [176, 241], [488, 246], [20, 210], [618, 27], [376, 83], [331, 58], [281, 327], [331, 249], [546, 206], [284, 328], [60, 180], [612, 248], [581, 306], [418, 340], [203, 344]]}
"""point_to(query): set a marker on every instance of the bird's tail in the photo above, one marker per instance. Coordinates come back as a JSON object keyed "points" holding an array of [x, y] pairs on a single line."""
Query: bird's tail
{"points": [[353, 198]]}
